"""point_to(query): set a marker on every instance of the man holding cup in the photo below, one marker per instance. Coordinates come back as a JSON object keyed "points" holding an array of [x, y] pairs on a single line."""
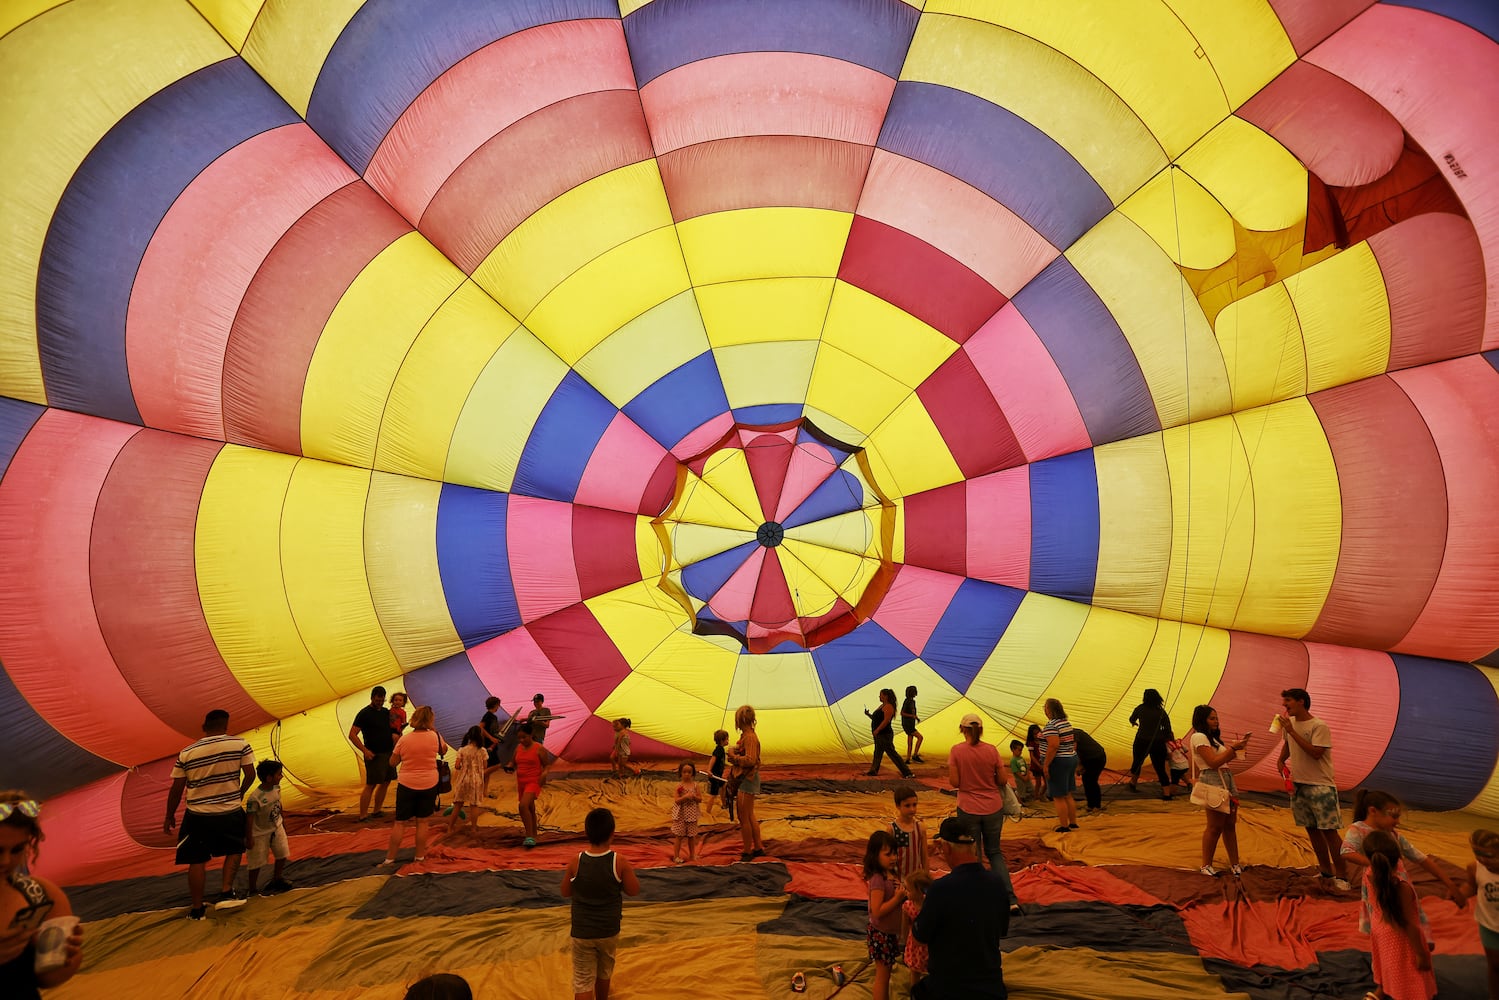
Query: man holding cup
{"points": [[1314, 789]]}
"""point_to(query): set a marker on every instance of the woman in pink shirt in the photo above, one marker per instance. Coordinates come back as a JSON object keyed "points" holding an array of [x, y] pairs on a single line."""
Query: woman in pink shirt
{"points": [[416, 789], [975, 770]]}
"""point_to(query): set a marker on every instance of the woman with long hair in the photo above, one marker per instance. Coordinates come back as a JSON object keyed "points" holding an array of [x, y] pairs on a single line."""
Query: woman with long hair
{"points": [[1152, 733], [882, 726], [1211, 757], [745, 758], [26, 901]]}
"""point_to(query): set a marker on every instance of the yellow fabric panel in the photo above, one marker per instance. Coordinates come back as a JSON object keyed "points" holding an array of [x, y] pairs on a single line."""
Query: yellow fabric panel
{"points": [[17, 12], [1043, 86], [851, 390], [237, 550], [1013, 680], [776, 371], [816, 577], [499, 413], [325, 576], [1487, 801], [1109, 643], [662, 712], [85, 67], [1159, 316], [1255, 178], [883, 335], [1141, 51], [291, 40], [230, 18], [1212, 524], [705, 507], [833, 425], [400, 546], [727, 474], [1134, 513], [627, 7], [785, 733], [1183, 220], [609, 291], [638, 618], [692, 541], [314, 745], [1260, 336], [774, 681], [1345, 318], [690, 664], [661, 339], [764, 243], [915, 454], [1183, 662], [1243, 39], [853, 532], [1298, 518], [435, 380], [937, 695], [363, 345], [740, 312], [571, 230]]}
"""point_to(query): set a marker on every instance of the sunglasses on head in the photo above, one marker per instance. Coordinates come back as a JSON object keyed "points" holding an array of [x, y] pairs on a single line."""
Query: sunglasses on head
{"points": [[29, 808]]}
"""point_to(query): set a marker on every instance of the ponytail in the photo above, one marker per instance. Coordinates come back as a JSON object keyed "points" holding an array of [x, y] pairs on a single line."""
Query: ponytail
{"points": [[1383, 852]]}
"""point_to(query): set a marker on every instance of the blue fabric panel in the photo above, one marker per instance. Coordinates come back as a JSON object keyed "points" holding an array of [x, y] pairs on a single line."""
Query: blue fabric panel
{"points": [[474, 563], [391, 50], [1064, 526], [110, 211], [680, 401], [1444, 747], [561, 443], [1492, 357], [768, 414], [969, 629], [1091, 353], [703, 578], [839, 494], [851, 661], [1492, 660], [455, 693], [670, 33], [1480, 15], [998, 152], [16, 420], [36, 758]]}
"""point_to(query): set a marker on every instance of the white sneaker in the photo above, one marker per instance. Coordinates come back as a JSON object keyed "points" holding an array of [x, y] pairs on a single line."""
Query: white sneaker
{"points": [[1209, 870], [1236, 871], [1341, 884]]}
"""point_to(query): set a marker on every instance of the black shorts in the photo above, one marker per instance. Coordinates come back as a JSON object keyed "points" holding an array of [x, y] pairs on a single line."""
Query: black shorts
{"points": [[210, 835], [908, 727], [413, 804], [379, 770]]}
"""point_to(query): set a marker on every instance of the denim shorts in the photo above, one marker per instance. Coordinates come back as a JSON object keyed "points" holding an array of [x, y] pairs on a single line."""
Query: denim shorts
{"points": [[1061, 775]]}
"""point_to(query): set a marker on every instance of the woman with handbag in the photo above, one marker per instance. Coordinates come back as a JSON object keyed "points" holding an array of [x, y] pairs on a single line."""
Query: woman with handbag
{"points": [[417, 781], [1213, 787]]}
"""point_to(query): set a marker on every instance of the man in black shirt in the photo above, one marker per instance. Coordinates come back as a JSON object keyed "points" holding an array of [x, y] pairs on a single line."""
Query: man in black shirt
{"points": [[965, 915], [372, 737]]}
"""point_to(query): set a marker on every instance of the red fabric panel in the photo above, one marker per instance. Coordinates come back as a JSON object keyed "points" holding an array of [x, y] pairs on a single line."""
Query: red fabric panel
{"points": [[823, 880], [287, 305], [916, 276], [144, 799], [1308, 22], [937, 529], [527, 165], [662, 486], [1259, 668], [574, 637], [142, 568], [604, 550], [769, 456], [1433, 272], [1392, 540], [971, 422], [1323, 223], [764, 170], [1049, 882], [595, 740], [772, 602], [1286, 932], [1414, 186]]}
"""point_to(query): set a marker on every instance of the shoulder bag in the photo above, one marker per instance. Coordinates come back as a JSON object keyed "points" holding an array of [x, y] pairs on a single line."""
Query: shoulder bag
{"points": [[1209, 796]]}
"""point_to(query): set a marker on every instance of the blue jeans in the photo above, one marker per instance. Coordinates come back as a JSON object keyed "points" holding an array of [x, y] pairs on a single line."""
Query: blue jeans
{"points": [[986, 829]]}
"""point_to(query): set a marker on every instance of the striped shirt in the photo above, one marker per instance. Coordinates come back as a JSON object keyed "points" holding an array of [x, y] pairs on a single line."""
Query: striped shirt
{"points": [[212, 767], [1066, 743]]}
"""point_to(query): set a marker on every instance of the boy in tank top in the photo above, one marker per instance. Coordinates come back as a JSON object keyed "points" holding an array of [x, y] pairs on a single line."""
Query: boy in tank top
{"points": [[596, 881]]}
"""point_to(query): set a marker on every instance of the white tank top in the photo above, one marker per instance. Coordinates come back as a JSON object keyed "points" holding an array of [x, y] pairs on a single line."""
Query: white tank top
{"points": [[1486, 904]]}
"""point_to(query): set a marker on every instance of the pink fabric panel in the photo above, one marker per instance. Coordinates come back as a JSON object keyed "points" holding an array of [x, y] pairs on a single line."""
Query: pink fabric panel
{"points": [[1029, 388], [1433, 273], [1357, 693], [86, 836], [50, 641], [513, 668], [1438, 78], [1247, 697], [960, 220], [200, 262], [1341, 133], [811, 465], [702, 436], [1000, 504], [1307, 22], [618, 474], [539, 537], [915, 604], [734, 599], [1458, 401], [765, 93], [487, 92]]}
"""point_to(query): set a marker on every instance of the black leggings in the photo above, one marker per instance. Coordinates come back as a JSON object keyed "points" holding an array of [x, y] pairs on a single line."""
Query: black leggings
{"points": [[1091, 769], [1156, 751]]}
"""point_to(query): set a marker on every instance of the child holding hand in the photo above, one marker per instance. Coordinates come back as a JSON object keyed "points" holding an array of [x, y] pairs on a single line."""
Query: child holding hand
{"points": [[684, 813], [718, 785], [886, 894], [917, 883]]}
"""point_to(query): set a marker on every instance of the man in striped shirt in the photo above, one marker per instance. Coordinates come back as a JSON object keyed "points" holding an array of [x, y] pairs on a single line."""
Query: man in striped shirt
{"points": [[215, 772]]}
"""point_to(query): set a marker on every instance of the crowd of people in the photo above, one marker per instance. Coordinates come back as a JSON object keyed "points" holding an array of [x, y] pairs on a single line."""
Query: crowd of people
{"points": [[946, 930]]}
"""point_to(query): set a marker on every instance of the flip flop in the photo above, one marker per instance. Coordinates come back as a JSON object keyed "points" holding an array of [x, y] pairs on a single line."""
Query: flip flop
{"points": [[798, 983]]}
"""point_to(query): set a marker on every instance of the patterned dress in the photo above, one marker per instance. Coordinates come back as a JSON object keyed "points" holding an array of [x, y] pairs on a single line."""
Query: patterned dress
{"points": [[468, 774], [916, 953], [684, 817], [1394, 959]]}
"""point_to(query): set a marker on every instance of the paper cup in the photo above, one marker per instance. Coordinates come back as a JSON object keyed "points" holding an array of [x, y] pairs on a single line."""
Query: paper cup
{"points": [[52, 942], [1275, 726]]}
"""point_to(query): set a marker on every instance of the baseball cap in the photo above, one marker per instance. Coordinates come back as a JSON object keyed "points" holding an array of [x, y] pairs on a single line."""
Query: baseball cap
{"points": [[954, 831], [971, 720]]}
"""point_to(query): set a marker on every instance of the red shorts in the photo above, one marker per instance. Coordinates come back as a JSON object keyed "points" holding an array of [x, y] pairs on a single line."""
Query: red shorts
{"points": [[534, 787]]}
